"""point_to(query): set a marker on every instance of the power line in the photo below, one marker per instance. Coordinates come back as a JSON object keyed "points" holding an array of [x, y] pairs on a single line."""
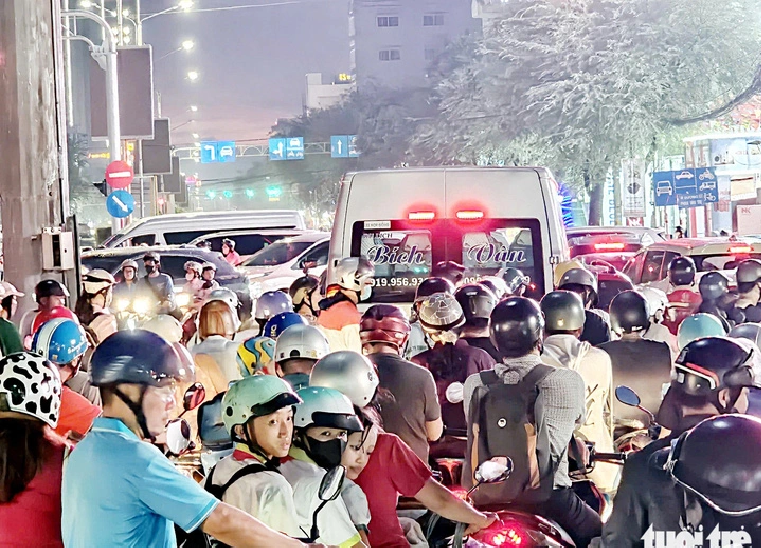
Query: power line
{"points": [[239, 7]]}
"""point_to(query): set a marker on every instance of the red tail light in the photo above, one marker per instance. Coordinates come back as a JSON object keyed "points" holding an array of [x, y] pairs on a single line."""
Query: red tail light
{"points": [[459, 492], [422, 216], [610, 246], [469, 215], [504, 533], [740, 249]]}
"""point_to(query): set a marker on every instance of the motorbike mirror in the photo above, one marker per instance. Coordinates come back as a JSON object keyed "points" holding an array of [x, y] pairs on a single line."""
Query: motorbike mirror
{"points": [[455, 392], [627, 396], [494, 470], [178, 436], [194, 396], [331, 484]]}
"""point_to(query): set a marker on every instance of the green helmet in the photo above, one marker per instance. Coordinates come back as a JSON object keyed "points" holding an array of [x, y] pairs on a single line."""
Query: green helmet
{"points": [[255, 396], [699, 326], [325, 407]]}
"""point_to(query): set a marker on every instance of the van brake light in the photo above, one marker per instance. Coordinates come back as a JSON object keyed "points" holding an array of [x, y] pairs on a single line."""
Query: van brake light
{"points": [[469, 215], [610, 246], [422, 216], [740, 249]]}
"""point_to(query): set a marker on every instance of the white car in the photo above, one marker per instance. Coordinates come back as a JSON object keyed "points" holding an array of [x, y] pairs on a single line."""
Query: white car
{"points": [[685, 175], [664, 187], [226, 152], [277, 266]]}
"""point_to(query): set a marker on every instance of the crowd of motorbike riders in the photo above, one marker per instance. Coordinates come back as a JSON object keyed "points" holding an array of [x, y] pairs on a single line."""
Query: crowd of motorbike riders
{"points": [[478, 373]]}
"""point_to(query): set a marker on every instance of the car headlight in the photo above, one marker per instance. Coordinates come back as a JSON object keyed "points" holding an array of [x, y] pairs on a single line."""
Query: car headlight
{"points": [[141, 306]]}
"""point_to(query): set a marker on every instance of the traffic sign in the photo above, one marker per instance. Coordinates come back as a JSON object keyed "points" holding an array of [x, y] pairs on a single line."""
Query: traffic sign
{"points": [[689, 187], [277, 149], [119, 174], [120, 204], [294, 148], [226, 151], [339, 146], [208, 152], [353, 150]]}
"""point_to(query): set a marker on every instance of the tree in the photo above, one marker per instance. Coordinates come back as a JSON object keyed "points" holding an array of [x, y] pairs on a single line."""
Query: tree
{"points": [[582, 84]]}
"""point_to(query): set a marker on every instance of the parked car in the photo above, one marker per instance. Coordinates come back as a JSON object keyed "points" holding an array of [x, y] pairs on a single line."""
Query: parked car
{"points": [[278, 265], [173, 261], [247, 242]]}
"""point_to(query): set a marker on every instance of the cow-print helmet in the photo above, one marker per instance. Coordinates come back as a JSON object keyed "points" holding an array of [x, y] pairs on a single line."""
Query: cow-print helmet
{"points": [[30, 385]]}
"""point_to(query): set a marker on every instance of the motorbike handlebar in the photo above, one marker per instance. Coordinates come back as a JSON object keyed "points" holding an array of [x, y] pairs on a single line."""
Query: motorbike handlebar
{"points": [[614, 457]]}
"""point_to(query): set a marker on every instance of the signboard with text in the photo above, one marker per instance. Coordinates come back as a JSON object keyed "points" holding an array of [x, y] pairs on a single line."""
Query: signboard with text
{"points": [[691, 187]]}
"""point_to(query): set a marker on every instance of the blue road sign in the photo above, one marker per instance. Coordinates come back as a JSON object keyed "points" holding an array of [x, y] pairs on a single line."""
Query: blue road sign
{"points": [[208, 152], [225, 151], [353, 150], [686, 201], [120, 204], [685, 182], [708, 183], [277, 149], [294, 148], [663, 188], [339, 146]]}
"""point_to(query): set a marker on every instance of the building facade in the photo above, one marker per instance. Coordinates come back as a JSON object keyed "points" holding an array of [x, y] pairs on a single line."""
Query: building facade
{"points": [[393, 42]]}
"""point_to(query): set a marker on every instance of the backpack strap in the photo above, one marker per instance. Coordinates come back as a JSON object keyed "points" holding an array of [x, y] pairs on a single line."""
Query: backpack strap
{"points": [[529, 384], [489, 377], [219, 490]]}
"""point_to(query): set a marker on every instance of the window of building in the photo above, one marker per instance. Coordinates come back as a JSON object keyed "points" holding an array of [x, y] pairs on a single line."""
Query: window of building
{"points": [[433, 20], [388, 21], [389, 55], [430, 54]]}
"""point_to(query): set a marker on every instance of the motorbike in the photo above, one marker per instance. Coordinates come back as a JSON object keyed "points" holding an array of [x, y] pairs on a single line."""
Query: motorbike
{"points": [[132, 313]]}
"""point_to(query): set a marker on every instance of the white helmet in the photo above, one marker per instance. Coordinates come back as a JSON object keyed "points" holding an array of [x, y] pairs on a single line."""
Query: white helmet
{"points": [[348, 372], [164, 326], [301, 341], [354, 274], [440, 312], [325, 407], [271, 304], [30, 386], [96, 281], [657, 301]]}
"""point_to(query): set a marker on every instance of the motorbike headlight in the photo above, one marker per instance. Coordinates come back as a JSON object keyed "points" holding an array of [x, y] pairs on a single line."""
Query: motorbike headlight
{"points": [[141, 306], [183, 299], [122, 305]]}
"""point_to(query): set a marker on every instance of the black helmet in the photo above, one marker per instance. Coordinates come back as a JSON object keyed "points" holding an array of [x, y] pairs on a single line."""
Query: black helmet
{"points": [[709, 364], [135, 357], [563, 311], [152, 256], [452, 271], [713, 286], [302, 288], [728, 481], [579, 276], [431, 286], [50, 288], [629, 312], [682, 271], [749, 271], [477, 301], [516, 280], [516, 326]]}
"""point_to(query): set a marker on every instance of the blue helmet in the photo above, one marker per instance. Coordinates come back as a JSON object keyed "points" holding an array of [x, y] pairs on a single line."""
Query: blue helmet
{"points": [[60, 341], [135, 357], [699, 326], [280, 322]]}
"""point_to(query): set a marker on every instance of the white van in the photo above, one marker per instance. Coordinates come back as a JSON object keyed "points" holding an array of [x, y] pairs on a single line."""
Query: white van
{"points": [[181, 228], [407, 220]]}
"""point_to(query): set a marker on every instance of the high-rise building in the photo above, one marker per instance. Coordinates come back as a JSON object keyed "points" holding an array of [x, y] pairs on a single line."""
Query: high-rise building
{"points": [[393, 42]]}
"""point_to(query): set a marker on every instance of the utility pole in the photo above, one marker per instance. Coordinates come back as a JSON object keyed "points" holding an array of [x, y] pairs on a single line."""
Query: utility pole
{"points": [[32, 159]]}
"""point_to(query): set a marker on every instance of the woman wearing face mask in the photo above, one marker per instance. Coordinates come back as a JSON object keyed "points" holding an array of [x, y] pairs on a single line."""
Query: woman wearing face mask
{"points": [[92, 307], [193, 282], [394, 468], [321, 425]]}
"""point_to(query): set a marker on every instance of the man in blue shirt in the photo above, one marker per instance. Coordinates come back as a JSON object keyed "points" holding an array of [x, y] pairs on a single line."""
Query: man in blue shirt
{"points": [[119, 490]]}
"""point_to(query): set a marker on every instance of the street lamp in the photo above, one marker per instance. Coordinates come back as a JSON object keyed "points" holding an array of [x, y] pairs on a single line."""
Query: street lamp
{"points": [[193, 75], [187, 45], [193, 108], [195, 136]]}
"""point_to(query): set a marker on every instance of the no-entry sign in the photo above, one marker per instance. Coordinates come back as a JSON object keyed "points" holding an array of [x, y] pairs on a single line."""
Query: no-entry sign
{"points": [[119, 174]]}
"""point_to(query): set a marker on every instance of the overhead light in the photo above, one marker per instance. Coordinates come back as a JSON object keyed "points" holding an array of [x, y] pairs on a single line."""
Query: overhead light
{"points": [[195, 136], [193, 75], [185, 4], [188, 45], [193, 108], [86, 4]]}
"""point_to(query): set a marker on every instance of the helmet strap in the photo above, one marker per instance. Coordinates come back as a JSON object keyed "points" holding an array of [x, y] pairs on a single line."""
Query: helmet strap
{"points": [[251, 443], [137, 410], [730, 405]]}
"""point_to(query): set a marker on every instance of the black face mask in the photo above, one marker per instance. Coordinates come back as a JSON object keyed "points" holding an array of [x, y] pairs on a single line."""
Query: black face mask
{"points": [[150, 269], [326, 454]]}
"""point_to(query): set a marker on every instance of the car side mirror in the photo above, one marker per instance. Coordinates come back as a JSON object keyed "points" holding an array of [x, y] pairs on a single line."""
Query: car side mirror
{"points": [[307, 265], [627, 396], [193, 397], [331, 484], [178, 436], [494, 470]]}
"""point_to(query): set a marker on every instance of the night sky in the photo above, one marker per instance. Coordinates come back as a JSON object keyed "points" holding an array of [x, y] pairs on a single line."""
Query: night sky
{"points": [[252, 62]]}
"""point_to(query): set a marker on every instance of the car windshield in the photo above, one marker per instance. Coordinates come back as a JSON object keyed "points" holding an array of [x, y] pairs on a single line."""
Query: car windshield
{"points": [[280, 252]]}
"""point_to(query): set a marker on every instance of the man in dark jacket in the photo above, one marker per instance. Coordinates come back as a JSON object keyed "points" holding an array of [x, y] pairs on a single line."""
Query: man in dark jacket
{"points": [[713, 379], [584, 283], [477, 303], [157, 286]]}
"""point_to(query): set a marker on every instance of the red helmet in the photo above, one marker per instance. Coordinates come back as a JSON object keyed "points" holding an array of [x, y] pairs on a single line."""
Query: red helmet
{"points": [[384, 323], [56, 312]]}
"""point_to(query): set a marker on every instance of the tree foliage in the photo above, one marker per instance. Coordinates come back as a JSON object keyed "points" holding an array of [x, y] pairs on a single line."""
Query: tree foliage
{"points": [[582, 84]]}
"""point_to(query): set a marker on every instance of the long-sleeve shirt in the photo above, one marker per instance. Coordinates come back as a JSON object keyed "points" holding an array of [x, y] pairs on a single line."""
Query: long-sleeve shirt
{"points": [[562, 394]]}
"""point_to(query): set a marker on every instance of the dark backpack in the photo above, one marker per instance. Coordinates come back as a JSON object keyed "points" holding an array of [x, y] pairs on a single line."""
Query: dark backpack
{"points": [[506, 421]]}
